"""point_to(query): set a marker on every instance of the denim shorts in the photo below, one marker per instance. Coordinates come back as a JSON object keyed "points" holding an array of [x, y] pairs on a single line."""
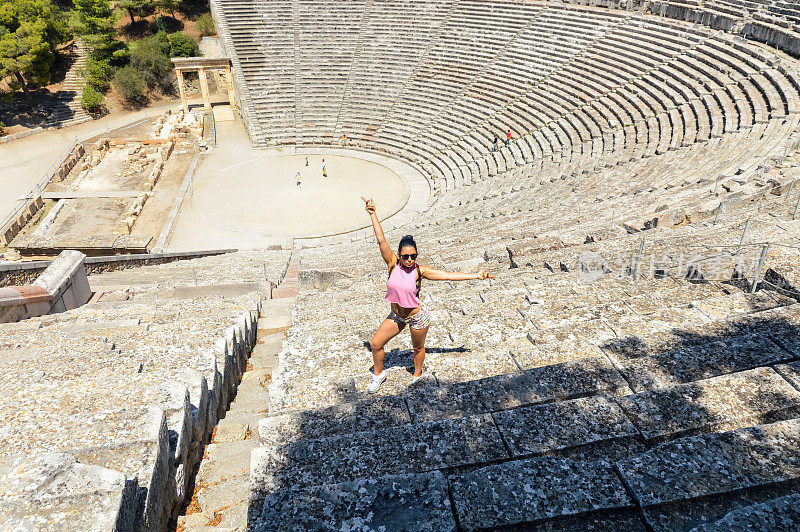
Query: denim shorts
{"points": [[420, 320]]}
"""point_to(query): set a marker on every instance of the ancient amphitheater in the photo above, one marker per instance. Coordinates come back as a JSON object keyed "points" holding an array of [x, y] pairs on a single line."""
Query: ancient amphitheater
{"points": [[634, 364]]}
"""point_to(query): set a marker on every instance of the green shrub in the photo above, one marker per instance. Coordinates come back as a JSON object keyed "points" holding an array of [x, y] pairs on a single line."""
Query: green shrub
{"points": [[2, 129], [121, 57], [150, 57], [166, 24], [205, 25], [98, 73], [183, 46], [129, 83], [92, 99]]}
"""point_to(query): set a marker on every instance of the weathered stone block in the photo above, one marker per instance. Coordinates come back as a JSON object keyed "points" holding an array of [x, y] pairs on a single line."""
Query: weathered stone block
{"points": [[691, 481], [585, 429], [701, 361], [536, 386], [719, 403], [548, 493], [782, 513], [65, 279], [335, 420], [414, 448], [53, 491], [409, 502]]}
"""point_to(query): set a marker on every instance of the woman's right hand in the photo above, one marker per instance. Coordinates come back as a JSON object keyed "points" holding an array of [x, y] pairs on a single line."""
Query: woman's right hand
{"points": [[369, 205]]}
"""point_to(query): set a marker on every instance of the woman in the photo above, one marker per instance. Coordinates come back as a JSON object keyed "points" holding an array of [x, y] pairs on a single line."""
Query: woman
{"points": [[402, 291]]}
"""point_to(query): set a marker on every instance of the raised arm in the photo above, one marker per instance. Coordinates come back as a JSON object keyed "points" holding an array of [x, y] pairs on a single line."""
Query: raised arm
{"points": [[386, 252], [441, 275]]}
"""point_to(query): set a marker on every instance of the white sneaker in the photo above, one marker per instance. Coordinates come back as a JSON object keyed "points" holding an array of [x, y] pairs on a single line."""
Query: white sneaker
{"points": [[415, 379], [377, 380]]}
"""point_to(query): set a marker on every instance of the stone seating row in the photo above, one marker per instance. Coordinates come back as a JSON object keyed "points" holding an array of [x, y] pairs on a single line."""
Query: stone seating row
{"points": [[743, 151], [661, 146], [115, 399], [311, 447], [90, 412]]}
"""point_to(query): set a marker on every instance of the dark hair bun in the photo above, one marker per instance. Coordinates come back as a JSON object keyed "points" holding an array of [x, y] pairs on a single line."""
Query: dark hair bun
{"points": [[407, 240]]}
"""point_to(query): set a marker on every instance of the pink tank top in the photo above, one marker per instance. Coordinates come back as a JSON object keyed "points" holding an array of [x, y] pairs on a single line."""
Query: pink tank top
{"points": [[401, 287]]}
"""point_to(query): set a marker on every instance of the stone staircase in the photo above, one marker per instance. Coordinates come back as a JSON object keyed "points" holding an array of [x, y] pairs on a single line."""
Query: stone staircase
{"points": [[109, 406], [623, 415], [69, 111], [222, 483]]}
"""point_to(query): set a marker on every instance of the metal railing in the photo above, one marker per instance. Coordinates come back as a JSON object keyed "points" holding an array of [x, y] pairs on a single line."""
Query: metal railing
{"points": [[725, 256]]}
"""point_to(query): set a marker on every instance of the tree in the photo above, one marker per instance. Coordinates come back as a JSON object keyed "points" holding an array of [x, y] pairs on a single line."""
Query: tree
{"points": [[140, 7], [181, 45], [129, 83], [30, 30], [205, 25], [168, 6], [150, 57], [91, 99], [93, 21]]}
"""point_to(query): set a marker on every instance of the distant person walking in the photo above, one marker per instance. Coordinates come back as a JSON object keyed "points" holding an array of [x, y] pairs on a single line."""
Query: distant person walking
{"points": [[508, 137], [298, 178], [324, 168], [496, 142], [402, 291], [306, 161]]}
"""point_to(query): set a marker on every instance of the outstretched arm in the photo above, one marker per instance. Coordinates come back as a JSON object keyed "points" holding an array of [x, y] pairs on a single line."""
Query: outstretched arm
{"points": [[441, 275], [386, 252]]}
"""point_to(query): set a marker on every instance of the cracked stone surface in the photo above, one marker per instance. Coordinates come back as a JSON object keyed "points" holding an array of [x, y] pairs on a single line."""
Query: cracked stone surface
{"points": [[407, 502], [538, 489], [425, 447]]}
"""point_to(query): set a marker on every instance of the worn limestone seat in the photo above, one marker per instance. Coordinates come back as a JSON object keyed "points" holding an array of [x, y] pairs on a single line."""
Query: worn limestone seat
{"points": [[113, 400], [565, 385], [482, 68]]}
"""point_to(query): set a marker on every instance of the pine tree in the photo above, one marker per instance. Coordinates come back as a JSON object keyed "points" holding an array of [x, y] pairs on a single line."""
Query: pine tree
{"points": [[30, 30], [136, 6], [93, 21]]}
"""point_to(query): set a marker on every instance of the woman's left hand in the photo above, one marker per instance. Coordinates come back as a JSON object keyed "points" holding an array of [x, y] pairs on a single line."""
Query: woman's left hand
{"points": [[484, 274]]}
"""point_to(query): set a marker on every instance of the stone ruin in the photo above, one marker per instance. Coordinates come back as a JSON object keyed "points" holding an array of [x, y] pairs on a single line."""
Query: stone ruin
{"points": [[107, 183]]}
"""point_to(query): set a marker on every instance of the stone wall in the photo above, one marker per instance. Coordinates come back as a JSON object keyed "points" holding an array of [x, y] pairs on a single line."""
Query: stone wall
{"points": [[10, 230], [62, 286], [21, 273]]}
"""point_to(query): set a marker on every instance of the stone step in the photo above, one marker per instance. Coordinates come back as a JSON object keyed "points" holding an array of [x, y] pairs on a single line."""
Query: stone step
{"points": [[544, 494], [782, 513], [567, 380], [703, 360], [583, 429], [222, 486], [405, 502], [426, 447], [712, 405], [428, 401], [337, 420], [688, 482]]}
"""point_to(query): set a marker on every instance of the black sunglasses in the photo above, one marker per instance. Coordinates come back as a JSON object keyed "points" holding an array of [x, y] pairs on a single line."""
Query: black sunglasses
{"points": [[413, 256]]}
